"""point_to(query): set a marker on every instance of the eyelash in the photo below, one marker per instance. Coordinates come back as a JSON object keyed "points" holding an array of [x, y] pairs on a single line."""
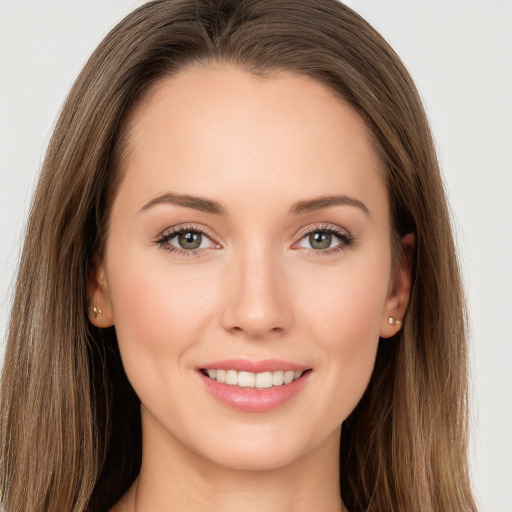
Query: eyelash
{"points": [[345, 238], [163, 240]]}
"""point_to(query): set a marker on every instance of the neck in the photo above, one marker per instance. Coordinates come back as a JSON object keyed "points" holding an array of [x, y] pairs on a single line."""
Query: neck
{"points": [[172, 478]]}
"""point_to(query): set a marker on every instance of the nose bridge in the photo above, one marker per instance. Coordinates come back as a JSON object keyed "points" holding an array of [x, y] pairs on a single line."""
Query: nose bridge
{"points": [[257, 300]]}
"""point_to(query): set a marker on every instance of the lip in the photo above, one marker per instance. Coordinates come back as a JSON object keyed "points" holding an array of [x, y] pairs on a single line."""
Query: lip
{"points": [[247, 365], [251, 399]]}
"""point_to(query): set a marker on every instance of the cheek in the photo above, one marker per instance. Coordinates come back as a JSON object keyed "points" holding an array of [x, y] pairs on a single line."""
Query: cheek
{"points": [[345, 321], [346, 305], [156, 311]]}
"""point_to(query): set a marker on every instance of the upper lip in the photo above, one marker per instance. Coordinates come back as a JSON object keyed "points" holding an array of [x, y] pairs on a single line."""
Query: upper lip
{"points": [[248, 365]]}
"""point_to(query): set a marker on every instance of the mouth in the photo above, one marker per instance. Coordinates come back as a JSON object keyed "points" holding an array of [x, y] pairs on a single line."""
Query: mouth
{"points": [[245, 379], [269, 385]]}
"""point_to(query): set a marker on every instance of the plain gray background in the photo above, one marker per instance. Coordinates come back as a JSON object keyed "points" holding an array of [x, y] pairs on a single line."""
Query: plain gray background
{"points": [[460, 55]]}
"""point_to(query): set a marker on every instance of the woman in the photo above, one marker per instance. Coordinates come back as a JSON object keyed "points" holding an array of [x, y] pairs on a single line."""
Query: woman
{"points": [[239, 285]]}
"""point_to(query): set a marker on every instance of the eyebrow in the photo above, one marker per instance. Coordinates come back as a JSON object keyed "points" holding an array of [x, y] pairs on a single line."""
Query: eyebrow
{"points": [[210, 206], [188, 201], [326, 202]]}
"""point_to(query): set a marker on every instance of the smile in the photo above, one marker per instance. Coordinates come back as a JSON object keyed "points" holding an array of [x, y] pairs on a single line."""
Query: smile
{"points": [[254, 386], [244, 379]]}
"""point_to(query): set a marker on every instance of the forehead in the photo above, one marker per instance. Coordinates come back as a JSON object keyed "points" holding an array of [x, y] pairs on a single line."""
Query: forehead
{"points": [[227, 132]]}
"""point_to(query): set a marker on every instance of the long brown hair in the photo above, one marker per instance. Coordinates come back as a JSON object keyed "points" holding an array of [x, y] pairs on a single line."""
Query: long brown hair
{"points": [[70, 421]]}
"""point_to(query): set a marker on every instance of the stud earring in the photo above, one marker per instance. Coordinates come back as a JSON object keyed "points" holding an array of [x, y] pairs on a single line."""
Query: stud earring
{"points": [[392, 321], [96, 311]]}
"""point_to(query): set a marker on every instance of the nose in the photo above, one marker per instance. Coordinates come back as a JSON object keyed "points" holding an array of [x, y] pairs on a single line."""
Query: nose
{"points": [[258, 303]]}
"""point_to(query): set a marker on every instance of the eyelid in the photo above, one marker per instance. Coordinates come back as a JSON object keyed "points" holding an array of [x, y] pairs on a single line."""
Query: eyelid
{"points": [[332, 228], [180, 228]]}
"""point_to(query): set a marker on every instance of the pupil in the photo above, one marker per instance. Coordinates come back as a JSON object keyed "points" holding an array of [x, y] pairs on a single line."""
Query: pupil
{"points": [[320, 240], [190, 240]]}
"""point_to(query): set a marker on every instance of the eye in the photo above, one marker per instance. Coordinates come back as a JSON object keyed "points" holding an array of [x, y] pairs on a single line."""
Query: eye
{"points": [[186, 240], [189, 240], [325, 239]]}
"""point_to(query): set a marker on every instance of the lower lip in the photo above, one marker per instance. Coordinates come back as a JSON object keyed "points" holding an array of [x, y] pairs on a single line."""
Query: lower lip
{"points": [[252, 399]]}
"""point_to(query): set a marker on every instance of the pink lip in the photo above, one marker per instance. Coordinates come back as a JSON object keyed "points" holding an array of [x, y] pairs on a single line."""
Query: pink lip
{"points": [[246, 365], [251, 399]]}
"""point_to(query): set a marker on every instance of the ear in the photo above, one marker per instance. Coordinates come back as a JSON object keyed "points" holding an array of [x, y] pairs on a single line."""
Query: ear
{"points": [[99, 306], [399, 290]]}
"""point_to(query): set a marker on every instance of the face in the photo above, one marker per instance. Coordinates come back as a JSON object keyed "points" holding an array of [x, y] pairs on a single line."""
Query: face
{"points": [[249, 242]]}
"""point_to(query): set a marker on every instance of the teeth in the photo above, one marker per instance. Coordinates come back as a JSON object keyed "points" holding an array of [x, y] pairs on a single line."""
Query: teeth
{"points": [[232, 377], [246, 379], [253, 380], [263, 380], [277, 378], [288, 377]]}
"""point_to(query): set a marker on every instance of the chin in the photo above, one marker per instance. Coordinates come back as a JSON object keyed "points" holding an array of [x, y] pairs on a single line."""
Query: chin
{"points": [[266, 451], [246, 459]]}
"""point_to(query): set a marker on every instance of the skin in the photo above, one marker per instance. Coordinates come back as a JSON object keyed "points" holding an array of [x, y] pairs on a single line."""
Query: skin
{"points": [[257, 290]]}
